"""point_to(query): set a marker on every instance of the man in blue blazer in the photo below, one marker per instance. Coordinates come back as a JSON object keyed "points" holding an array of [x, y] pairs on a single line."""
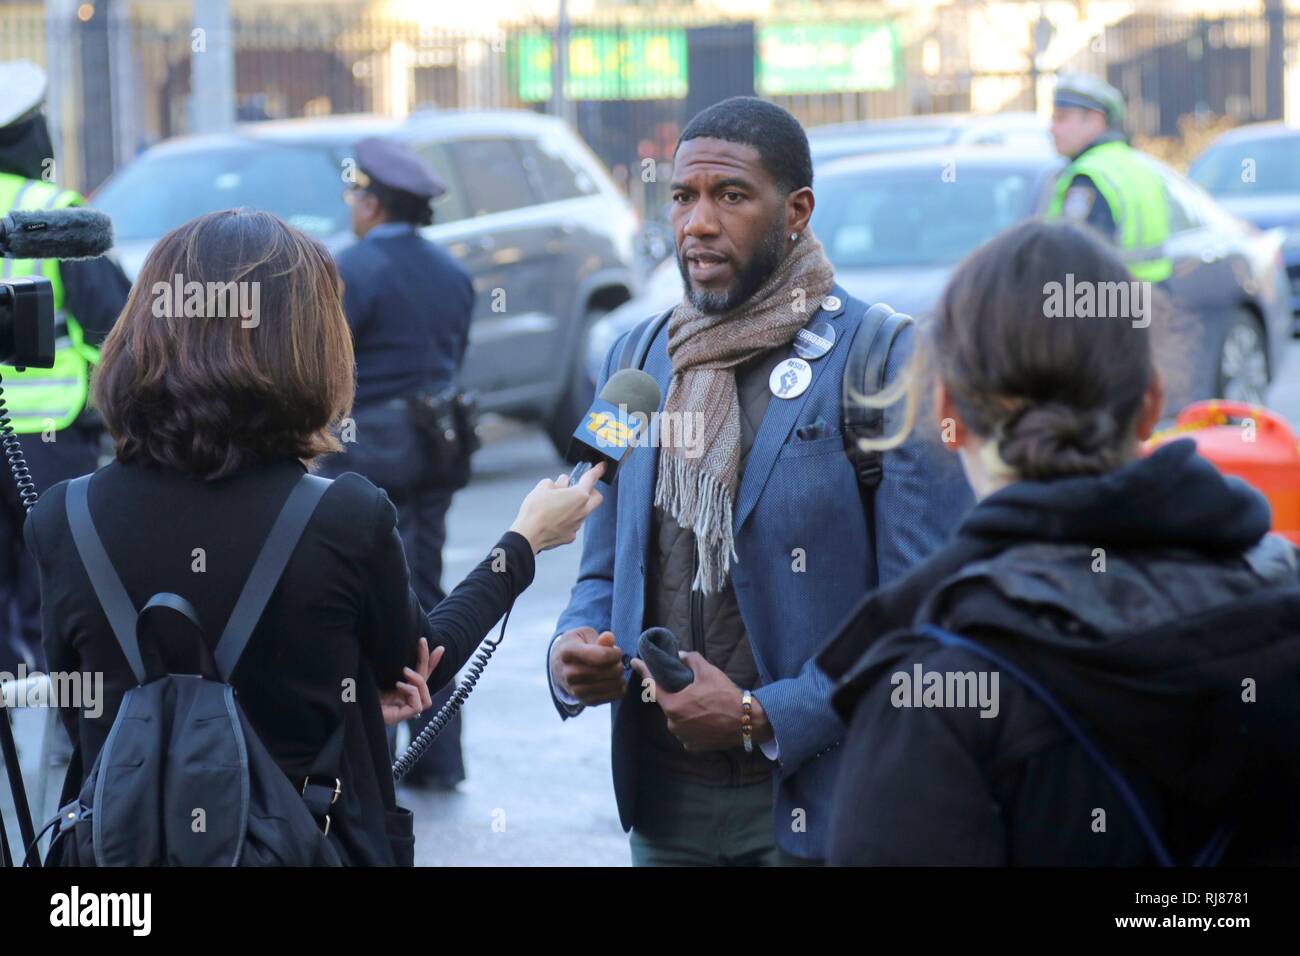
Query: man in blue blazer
{"points": [[741, 528]]}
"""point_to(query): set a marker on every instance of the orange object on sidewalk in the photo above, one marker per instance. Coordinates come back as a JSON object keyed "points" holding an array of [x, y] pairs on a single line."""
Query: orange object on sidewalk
{"points": [[1251, 442]]}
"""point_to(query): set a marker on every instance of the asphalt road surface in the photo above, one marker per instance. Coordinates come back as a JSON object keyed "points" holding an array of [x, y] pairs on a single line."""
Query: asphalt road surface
{"points": [[538, 791]]}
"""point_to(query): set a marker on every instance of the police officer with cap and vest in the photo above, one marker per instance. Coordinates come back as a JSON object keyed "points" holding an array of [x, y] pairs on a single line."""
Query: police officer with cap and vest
{"points": [[409, 305], [1108, 185], [48, 407]]}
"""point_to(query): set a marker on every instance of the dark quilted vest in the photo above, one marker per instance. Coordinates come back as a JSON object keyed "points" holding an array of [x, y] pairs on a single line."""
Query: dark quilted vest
{"points": [[722, 639]]}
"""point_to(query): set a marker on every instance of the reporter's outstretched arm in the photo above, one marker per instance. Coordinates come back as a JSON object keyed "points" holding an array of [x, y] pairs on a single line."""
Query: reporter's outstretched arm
{"points": [[394, 621], [591, 601]]}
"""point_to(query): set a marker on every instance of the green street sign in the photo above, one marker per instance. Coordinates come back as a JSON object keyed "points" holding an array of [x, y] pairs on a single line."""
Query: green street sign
{"points": [[827, 58], [604, 65]]}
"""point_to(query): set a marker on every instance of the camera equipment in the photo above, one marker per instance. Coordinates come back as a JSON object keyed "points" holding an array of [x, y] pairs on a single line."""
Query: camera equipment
{"points": [[27, 340], [27, 322], [55, 234]]}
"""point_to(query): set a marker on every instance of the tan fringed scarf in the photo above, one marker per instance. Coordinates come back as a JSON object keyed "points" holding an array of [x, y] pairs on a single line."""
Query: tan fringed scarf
{"points": [[697, 484]]}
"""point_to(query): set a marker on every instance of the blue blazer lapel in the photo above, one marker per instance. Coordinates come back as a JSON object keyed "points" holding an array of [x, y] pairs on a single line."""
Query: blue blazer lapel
{"points": [[779, 418], [637, 478]]}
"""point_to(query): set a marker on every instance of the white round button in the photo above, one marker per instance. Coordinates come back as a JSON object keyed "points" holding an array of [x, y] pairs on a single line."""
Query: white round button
{"points": [[790, 378]]}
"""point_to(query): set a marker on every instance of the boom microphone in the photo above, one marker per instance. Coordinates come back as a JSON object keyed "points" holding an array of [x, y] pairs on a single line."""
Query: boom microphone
{"points": [[608, 429], [55, 234]]}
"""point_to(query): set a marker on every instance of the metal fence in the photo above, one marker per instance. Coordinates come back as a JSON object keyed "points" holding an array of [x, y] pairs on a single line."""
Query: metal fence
{"points": [[630, 84], [1170, 68]]}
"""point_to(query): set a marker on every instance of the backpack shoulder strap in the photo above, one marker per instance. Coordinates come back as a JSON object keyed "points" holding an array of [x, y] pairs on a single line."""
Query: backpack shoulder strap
{"points": [[103, 578], [1210, 853], [864, 373], [268, 567], [637, 344]]}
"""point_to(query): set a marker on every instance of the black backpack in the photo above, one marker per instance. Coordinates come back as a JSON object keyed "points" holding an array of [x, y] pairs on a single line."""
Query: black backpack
{"points": [[864, 373], [183, 779]]}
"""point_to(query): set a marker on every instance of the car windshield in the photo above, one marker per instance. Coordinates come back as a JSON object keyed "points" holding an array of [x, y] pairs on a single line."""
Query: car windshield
{"points": [[1255, 167], [837, 145], [303, 185], [915, 217]]}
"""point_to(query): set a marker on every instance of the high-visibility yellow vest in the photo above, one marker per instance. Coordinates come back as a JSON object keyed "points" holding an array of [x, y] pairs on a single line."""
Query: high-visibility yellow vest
{"points": [[46, 398], [1136, 196]]}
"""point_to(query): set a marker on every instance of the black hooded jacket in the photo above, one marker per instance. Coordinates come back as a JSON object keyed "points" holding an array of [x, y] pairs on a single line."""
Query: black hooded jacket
{"points": [[1152, 605]]}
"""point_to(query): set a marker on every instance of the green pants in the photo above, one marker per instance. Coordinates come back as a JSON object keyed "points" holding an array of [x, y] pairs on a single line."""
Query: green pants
{"points": [[682, 823]]}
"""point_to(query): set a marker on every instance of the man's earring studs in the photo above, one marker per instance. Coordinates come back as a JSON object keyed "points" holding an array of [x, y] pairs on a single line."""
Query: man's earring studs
{"points": [[794, 236]]}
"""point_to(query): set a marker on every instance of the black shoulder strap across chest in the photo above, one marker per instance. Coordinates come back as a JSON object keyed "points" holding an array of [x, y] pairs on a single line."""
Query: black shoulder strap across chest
{"points": [[637, 344], [267, 569], [864, 373]]}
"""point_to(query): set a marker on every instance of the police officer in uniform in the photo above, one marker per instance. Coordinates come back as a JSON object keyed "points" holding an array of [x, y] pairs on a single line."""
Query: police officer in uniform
{"points": [[409, 305], [47, 406], [1107, 184]]}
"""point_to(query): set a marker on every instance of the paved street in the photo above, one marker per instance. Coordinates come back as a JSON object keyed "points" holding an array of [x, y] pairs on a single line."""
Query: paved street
{"points": [[538, 792]]}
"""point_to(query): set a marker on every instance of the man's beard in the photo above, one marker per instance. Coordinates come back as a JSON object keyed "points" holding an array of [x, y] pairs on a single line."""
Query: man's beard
{"points": [[766, 258]]}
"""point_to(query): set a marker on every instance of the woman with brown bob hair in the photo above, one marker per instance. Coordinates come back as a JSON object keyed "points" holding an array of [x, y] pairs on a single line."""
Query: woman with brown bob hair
{"points": [[1102, 667], [222, 380]]}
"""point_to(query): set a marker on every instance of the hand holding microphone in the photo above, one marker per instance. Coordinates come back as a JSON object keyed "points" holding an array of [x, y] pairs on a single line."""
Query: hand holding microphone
{"points": [[554, 510], [585, 665], [610, 427]]}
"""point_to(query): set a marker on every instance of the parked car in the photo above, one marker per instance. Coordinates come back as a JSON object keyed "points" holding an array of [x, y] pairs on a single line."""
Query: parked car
{"points": [[1019, 130], [895, 224], [529, 211], [1254, 173]]}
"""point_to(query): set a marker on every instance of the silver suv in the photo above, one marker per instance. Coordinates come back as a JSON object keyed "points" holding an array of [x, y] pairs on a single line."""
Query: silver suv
{"points": [[529, 211]]}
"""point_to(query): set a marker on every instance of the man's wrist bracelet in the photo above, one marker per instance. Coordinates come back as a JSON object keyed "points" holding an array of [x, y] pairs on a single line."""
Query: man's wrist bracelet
{"points": [[746, 720]]}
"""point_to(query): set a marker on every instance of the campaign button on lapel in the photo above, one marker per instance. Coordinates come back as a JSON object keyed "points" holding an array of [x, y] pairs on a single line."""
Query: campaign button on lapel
{"points": [[813, 341], [790, 378]]}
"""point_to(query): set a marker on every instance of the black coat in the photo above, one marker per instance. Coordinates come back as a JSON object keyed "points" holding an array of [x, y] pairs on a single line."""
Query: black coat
{"points": [[341, 624], [1147, 652]]}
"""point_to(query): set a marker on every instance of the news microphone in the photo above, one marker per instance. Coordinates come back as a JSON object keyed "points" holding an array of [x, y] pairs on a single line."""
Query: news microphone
{"points": [[607, 431], [74, 233], [659, 648]]}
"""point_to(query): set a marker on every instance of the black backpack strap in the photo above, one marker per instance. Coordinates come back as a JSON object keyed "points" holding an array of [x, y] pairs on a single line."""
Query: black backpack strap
{"points": [[156, 630], [637, 344], [864, 373], [1210, 853], [108, 586], [268, 567]]}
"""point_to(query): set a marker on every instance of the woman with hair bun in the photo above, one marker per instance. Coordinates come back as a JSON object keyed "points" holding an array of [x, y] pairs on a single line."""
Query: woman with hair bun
{"points": [[1102, 667]]}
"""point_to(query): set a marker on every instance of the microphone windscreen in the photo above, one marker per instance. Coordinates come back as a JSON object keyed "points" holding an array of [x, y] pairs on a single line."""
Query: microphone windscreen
{"points": [[633, 388], [58, 234]]}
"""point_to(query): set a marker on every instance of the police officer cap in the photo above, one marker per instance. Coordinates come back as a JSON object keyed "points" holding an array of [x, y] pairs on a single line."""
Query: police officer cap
{"points": [[397, 167], [23, 84], [1090, 93]]}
